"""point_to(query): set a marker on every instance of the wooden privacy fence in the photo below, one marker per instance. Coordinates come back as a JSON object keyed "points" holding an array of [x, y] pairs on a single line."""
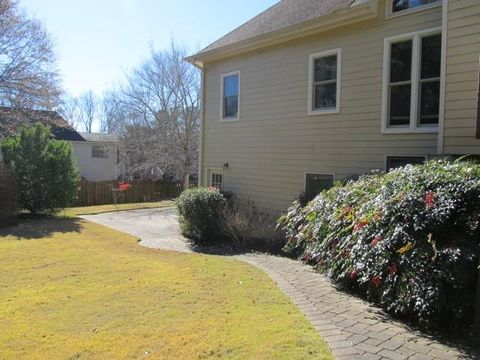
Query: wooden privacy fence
{"points": [[103, 193]]}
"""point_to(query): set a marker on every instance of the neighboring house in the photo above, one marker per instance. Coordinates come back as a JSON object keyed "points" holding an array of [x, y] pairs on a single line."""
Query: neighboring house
{"points": [[311, 91], [96, 154]]}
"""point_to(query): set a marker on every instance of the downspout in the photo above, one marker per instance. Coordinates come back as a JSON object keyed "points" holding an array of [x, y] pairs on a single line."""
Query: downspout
{"points": [[443, 80], [202, 127]]}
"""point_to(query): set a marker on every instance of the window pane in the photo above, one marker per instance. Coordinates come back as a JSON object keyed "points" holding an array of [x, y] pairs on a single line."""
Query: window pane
{"points": [[401, 62], [326, 68], [325, 96], [395, 162], [230, 106], [400, 104], [429, 102], [99, 151], [431, 56], [399, 5], [230, 86]]}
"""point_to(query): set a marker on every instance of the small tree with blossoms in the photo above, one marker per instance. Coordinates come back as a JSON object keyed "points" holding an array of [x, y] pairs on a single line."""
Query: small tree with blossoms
{"points": [[119, 191]]}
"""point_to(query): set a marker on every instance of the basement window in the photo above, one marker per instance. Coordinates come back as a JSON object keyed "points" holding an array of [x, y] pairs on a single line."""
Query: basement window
{"points": [[395, 162], [316, 183]]}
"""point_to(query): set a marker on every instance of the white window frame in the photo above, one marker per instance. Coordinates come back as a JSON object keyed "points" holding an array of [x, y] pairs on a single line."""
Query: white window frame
{"points": [[222, 88], [414, 101], [390, 14], [212, 171], [311, 74]]}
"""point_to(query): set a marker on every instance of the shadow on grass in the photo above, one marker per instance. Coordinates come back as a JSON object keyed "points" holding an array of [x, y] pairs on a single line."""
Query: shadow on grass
{"points": [[463, 341], [36, 228]]}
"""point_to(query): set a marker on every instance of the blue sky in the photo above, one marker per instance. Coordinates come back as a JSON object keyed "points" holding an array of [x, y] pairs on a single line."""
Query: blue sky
{"points": [[99, 40]]}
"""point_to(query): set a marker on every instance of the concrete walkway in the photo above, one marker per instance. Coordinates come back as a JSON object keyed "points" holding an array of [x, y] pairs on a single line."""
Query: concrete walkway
{"points": [[352, 328]]}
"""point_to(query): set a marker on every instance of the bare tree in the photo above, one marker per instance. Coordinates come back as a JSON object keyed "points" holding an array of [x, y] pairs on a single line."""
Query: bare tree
{"points": [[163, 94], [88, 110], [70, 110], [28, 74]]}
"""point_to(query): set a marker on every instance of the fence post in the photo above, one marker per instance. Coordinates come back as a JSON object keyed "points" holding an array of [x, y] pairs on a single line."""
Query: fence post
{"points": [[476, 326]]}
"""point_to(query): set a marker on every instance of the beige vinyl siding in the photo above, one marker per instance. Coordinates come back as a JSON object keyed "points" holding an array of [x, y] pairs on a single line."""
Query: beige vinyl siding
{"points": [[276, 142], [463, 52]]}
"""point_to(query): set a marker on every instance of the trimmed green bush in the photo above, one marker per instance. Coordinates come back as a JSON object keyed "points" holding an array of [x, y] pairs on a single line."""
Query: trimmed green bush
{"points": [[407, 240], [199, 210], [8, 196], [46, 173]]}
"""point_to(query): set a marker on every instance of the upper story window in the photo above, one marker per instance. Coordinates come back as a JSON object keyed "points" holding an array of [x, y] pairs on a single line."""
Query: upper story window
{"points": [[100, 151], [402, 5], [324, 82], [230, 96], [412, 82]]}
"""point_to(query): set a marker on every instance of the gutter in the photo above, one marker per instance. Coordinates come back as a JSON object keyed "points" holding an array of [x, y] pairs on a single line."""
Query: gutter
{"points": [[359, 11], [443, 81]]}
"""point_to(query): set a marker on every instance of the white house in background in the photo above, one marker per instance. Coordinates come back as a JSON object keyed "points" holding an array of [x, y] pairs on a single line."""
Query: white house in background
{"points": [[96, 154]]}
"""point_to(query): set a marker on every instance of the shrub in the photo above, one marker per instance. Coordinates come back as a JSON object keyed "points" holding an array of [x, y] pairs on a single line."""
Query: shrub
{"points": [[8, 196], [407, 240], [246, 226], [46, 172], [199, 210]]}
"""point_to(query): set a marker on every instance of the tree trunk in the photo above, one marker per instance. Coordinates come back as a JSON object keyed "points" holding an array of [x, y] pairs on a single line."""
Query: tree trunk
{"points": [[476, 328], [186, 180]]}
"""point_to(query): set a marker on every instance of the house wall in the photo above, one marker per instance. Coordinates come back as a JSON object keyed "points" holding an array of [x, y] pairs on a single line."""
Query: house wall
{"points": [[95, 169], [275, 142], [463, 55]]}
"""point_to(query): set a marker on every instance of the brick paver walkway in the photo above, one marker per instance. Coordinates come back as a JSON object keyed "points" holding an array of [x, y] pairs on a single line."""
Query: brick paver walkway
{"points": [[352, 328]]}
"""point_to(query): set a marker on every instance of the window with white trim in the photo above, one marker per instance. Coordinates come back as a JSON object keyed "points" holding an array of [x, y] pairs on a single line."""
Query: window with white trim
{"points": [[412, 81], [324, 82], [230, 96], [215, 179], [99, 152], [402, 5]]}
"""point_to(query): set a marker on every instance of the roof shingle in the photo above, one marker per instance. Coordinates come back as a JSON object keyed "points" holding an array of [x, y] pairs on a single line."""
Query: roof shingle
{"points": [[282, 15], [11, 119]]}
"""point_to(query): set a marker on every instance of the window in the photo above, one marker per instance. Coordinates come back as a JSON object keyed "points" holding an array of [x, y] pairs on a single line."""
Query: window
{"points": [[324, 82], [402, 5], [99, 151], [412, 82], [316, 183], [216, 180], [395, 162], [230, 96]]}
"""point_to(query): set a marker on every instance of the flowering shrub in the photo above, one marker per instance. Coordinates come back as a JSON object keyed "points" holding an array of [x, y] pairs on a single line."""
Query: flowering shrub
{"points": [[407, 240]]}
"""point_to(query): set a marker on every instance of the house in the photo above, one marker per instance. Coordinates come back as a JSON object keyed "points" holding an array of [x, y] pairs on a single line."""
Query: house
{"points": [[96, 154], [310, 91]]}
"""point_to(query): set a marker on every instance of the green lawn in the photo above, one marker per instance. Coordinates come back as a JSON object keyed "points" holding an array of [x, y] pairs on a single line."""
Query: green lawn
{"points": [[71, 289]]}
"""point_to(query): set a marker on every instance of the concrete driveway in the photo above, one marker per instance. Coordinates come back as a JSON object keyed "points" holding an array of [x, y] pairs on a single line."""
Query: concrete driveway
{"points": [[156, 228]]}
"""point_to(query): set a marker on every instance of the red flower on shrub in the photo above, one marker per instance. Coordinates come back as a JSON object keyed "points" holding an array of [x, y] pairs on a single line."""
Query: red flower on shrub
{"points": [[393, 268], [376, 240], [353, 274], [359, 226], [377, 281], [123, 186], [429, 199]]}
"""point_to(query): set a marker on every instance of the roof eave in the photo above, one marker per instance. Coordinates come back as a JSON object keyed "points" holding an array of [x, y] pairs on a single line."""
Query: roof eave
{"points": [[361, 12]]}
